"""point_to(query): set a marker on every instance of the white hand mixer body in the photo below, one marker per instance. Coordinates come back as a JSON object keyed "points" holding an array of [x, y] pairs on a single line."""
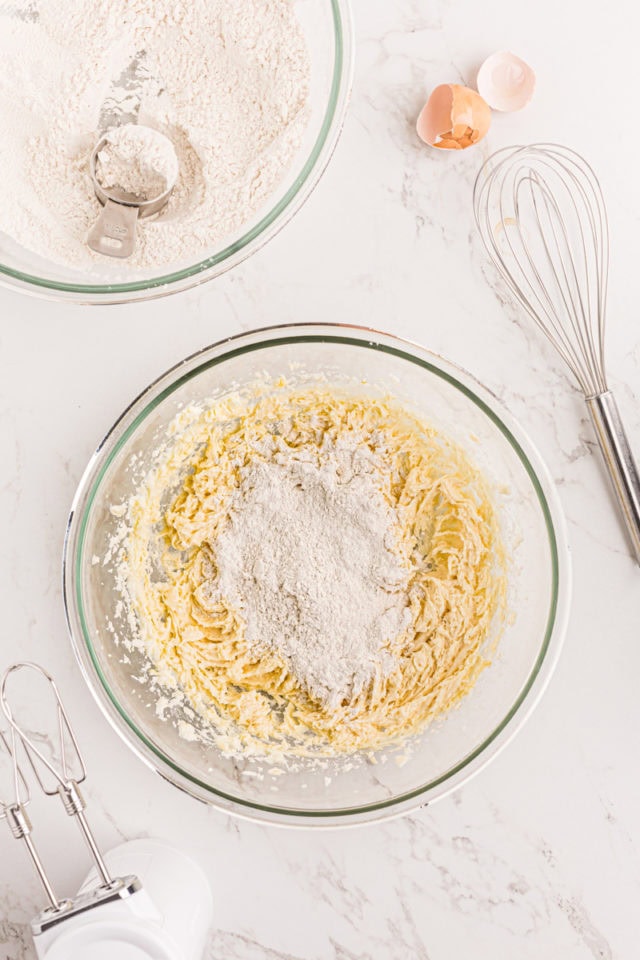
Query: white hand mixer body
{"points": [[162, 911]]}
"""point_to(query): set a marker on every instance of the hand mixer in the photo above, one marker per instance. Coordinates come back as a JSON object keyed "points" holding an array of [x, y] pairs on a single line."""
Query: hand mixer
{"points": [[164, 916], [541, 215]]}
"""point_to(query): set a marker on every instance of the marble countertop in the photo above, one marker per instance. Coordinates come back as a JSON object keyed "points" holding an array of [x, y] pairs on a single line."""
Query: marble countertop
{"points": [[537, 856]]}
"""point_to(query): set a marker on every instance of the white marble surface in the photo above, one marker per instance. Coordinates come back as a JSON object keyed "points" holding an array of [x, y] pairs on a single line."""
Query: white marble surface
{"points": [[538, 856]]}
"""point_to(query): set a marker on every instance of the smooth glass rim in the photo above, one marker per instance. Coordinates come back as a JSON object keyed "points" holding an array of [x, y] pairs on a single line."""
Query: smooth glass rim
{"points": [[263, 231], [214, 355]]}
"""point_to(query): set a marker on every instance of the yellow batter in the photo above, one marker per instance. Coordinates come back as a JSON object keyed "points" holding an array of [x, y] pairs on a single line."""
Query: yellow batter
{"points": [[446, 533]]}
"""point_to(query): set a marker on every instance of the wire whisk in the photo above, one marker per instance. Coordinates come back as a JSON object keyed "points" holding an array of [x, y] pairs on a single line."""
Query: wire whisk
{"points": [[542, 218]]}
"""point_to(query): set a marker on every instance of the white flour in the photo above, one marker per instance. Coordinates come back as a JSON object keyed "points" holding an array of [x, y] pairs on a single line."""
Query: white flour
{"points": [[307, 556], [225, 81], [137, 160]]}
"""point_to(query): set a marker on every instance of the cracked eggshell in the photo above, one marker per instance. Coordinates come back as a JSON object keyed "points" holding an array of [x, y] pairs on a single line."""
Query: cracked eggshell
{"points": [[506, 82], [453, 118]]}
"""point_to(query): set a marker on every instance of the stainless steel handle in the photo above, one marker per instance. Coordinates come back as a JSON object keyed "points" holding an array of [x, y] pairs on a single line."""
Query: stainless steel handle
{"points": [[114, 232], [619, 460]]}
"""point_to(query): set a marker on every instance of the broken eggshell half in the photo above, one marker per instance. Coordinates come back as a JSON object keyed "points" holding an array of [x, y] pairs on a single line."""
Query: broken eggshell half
{"points": [[506, 82], [453, 118]]}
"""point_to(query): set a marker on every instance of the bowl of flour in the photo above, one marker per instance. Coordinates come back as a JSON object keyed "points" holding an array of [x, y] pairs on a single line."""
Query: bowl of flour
{"points": [[252, 96]]}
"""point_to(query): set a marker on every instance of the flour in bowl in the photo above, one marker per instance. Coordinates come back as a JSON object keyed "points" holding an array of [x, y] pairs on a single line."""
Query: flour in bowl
{"points": [[137, 160], [226, 82], [308, 556]]}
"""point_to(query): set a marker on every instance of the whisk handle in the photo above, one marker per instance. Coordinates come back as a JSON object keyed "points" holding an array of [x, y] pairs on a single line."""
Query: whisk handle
{"points": [[619, 460]]}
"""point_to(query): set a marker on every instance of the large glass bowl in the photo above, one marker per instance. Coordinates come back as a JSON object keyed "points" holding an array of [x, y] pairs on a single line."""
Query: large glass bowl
{"points": [[327, 28], [450, 750]]}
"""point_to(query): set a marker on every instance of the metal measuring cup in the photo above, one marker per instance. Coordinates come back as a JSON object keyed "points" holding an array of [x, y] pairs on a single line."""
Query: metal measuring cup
{"points": [[114, 232]]}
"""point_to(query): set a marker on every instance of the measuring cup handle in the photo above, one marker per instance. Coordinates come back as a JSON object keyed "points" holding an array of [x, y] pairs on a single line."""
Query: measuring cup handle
{"points": [[114, 232]]}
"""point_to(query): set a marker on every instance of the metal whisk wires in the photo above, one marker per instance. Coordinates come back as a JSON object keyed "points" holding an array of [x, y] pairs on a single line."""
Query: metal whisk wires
{"points": [[541, 215]]}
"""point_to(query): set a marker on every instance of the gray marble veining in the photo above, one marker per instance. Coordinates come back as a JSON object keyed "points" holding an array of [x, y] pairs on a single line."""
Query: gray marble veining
{"points": [[538, 856]]}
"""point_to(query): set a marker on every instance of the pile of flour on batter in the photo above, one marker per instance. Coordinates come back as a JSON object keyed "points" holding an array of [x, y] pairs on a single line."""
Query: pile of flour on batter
{"points": [[308, 555], [226, 82]]}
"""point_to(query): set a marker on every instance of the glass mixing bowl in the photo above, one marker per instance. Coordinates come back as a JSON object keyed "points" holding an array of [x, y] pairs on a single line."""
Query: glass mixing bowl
{"points": [[327, 28], [447, 752]]}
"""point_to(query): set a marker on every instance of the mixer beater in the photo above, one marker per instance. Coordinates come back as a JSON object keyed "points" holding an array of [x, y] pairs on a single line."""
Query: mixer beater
{"points": [[143, 900]]}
